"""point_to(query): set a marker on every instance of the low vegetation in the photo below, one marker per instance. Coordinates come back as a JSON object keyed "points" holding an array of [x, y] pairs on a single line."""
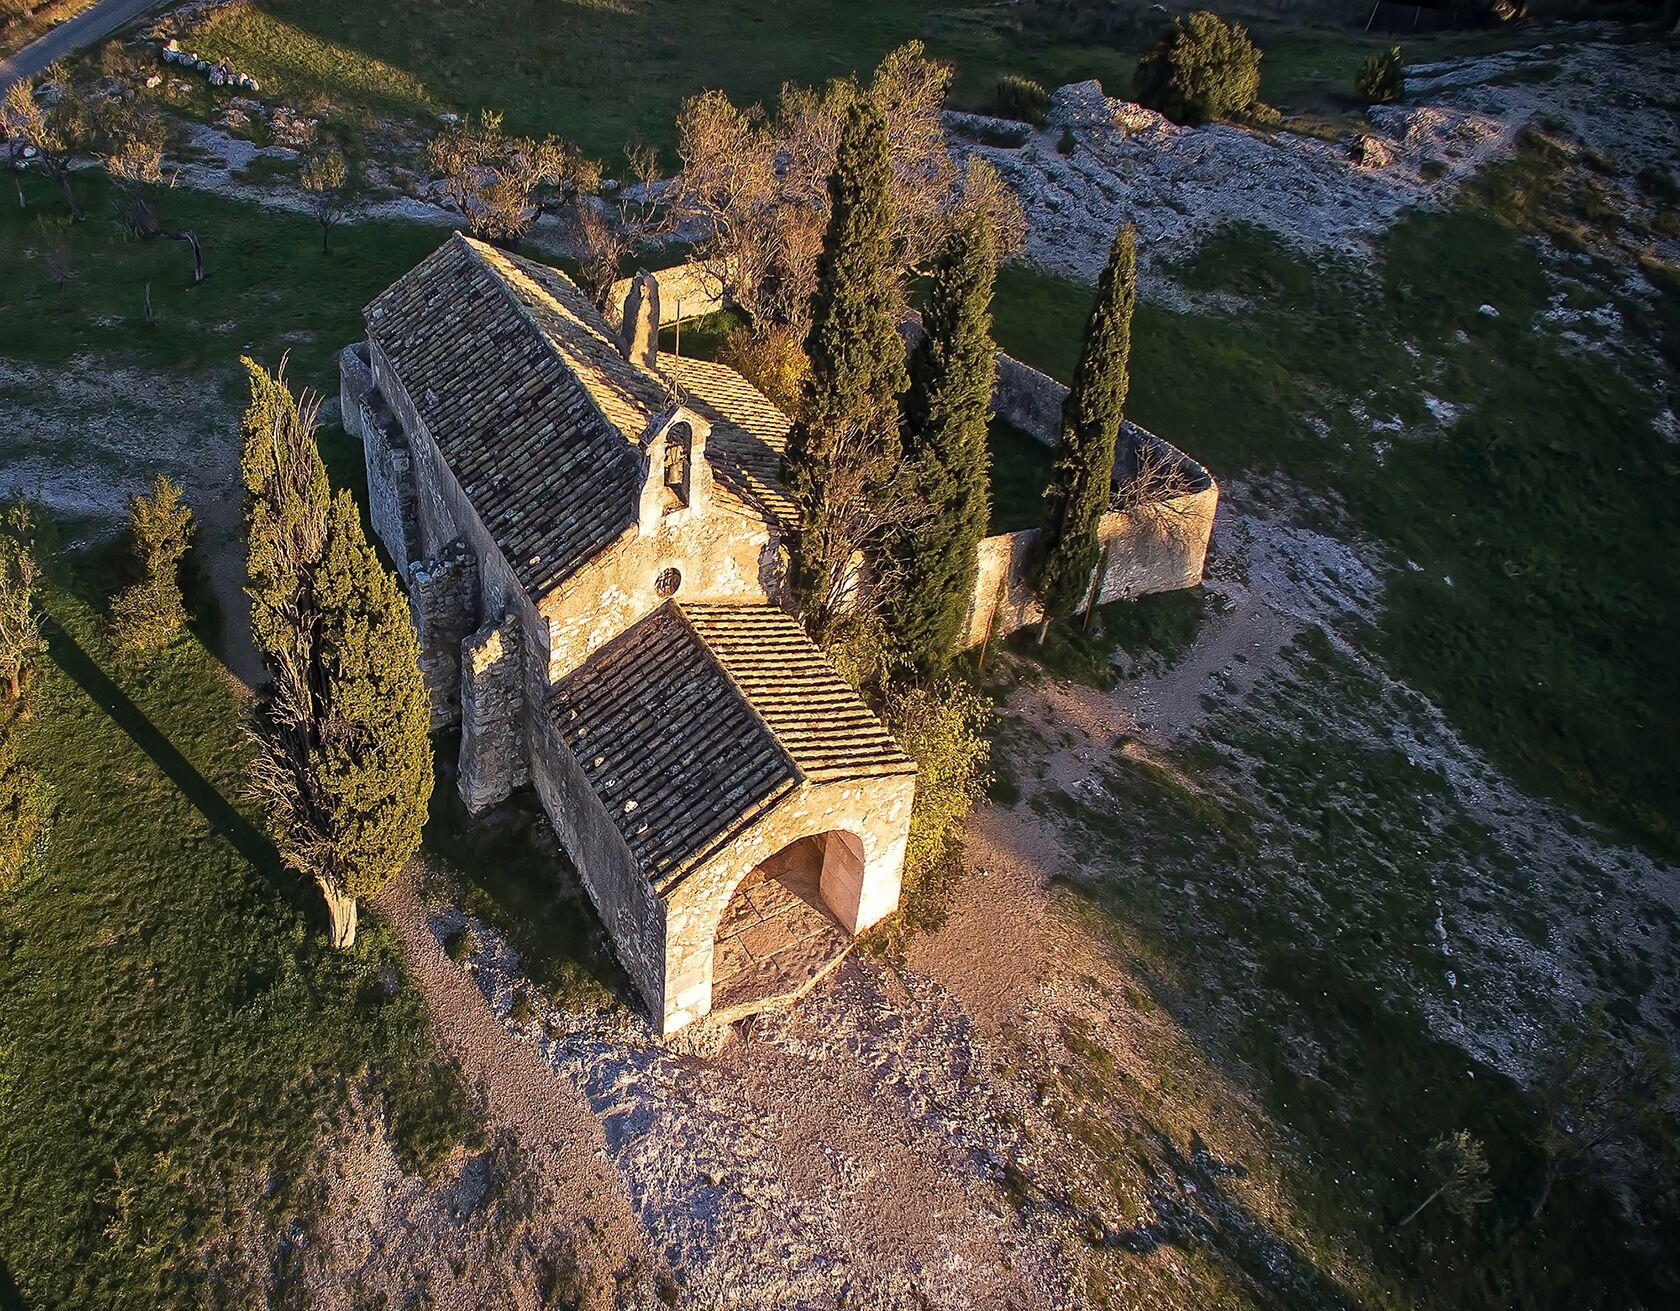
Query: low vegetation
{"points": [[175, 1028], [1202, 68], [1022, 98]]}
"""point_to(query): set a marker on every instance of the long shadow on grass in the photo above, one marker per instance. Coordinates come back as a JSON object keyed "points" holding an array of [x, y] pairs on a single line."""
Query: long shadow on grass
{"points": [[10, 1298], [223, 818]]}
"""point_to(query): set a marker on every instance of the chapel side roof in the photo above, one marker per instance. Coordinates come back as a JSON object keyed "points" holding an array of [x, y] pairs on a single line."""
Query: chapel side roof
{"points": [[696, 721], [669, 744], [522, 385], [815, 715], [749, 434]]}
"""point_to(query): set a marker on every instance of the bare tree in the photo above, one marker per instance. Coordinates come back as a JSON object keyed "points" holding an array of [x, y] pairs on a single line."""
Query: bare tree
{"points": [[495, 180], [130, 138], [54, 132], [755, 186], [20, 627], [606, 233], [325, 175], [1598, 1101]]}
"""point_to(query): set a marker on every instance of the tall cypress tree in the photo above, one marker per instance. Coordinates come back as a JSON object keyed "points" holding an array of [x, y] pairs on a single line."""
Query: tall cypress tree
{"points": [[945, 416], [343, 766], [1082, 479], [844, 446]]}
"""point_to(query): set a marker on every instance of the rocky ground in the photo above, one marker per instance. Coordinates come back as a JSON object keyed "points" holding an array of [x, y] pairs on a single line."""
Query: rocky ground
{"points": [[1177, 184]]}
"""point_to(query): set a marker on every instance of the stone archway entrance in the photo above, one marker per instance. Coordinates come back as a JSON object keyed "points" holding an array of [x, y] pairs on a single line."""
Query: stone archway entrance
{"points": [[784, 924]]}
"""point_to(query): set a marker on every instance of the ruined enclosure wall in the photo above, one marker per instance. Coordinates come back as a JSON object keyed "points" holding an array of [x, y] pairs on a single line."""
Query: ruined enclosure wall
{"points": [[1157, 549], [875, 810], [686, 291]]}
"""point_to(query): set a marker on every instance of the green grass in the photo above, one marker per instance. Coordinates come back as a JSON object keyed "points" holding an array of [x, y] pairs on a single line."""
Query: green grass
{"points": [[608, 72], [1534, 598], [270, 290], [1283, 914], [173, 1021], [1020, 473], [509, 870]]}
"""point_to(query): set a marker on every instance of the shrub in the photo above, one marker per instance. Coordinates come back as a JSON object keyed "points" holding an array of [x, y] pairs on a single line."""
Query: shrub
{"points": [[942, 727], [458, 946], [1066, 145], [150, 612], [521, 1012], [1202, 68], [24, 808], [771, 359], [1021, 98], [1382, 80]]}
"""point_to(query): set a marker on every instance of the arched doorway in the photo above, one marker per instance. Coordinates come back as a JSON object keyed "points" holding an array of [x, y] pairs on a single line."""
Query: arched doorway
{"points": [[787, 920]]}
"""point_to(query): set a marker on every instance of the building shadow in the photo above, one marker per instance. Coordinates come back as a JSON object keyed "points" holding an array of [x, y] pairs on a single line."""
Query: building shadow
{"points": [[224, 819]]}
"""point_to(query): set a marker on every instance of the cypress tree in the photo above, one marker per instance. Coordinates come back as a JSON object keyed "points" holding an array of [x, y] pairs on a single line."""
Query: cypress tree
{"points": [[343, 766], [945, 417], [1082, 479], [844, 446]]}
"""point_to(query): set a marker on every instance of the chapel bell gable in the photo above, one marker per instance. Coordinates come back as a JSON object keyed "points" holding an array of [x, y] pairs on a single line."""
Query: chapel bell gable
{"points": [[676, 478]]}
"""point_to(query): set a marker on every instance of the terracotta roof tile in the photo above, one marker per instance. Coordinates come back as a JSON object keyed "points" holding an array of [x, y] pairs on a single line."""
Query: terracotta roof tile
{"points": [[673, 750]]}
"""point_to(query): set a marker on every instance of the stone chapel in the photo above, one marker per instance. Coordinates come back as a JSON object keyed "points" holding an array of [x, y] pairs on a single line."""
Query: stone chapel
{"points": [[589, 529]]}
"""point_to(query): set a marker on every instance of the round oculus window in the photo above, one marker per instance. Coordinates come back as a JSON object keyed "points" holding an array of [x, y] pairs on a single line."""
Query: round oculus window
{"points": [[667, 582]]}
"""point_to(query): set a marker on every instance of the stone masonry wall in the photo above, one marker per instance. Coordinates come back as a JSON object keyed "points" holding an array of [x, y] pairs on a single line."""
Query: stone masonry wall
{"points": [[443, 593], [492, 715], [874, 810], [385, 454]]}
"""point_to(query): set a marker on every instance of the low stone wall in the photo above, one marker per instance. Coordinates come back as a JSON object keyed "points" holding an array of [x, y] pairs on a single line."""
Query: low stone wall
{"points": [[1158, 547], [686, 291]]}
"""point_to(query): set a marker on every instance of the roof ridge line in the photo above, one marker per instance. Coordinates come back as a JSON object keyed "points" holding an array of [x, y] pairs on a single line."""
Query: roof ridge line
{"points": [[746, 698], [524, 311]]}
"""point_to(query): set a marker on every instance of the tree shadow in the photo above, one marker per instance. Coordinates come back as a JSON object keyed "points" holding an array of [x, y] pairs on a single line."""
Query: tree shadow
{"points": [[222, 816], [10, 1298]]}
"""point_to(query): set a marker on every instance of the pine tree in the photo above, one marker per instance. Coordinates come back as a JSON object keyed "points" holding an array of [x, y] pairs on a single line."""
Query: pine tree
{"points": [[343, 766], [945, 421], [1081, 482], [150, 611], [844, 448]]}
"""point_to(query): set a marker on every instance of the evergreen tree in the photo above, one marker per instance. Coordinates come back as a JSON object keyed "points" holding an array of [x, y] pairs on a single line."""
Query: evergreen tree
{"points": [[343, 766], [20, 626], [1082, 479], [150, 611], [843, 449], [945, 417]]}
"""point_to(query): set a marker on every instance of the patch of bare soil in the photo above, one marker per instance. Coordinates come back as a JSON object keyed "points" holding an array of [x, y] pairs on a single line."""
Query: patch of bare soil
{"points": [[81, 438]]}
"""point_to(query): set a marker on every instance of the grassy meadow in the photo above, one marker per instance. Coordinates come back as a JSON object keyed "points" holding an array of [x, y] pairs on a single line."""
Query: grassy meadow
{"points": [[175, 1029], [604, 73]]}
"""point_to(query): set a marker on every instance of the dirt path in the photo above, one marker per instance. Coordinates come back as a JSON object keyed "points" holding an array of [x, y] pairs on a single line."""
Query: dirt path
{"points": [[573, 1221]]}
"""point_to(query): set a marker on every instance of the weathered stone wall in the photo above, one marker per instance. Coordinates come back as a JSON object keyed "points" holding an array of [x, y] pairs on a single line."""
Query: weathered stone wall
{"points": [[721, 556], [492, 714], [633, 915], [1028, 399], [686, 291], [1159, 548], [385, 455], [874, 810], [443, 594]]}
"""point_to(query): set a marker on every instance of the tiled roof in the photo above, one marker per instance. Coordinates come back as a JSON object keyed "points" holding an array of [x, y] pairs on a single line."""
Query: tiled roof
{"points": [[813, 712], [674, 752], [748, 437], [696, 721], [523, 388]]}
